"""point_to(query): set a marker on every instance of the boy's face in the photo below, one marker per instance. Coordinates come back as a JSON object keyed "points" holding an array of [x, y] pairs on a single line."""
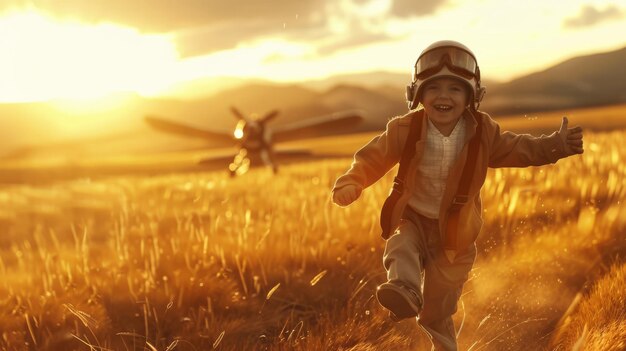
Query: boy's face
{"points": [[444, 101]]}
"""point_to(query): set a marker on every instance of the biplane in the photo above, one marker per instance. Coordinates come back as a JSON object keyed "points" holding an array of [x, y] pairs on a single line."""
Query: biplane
{"points": [[254, 138]]}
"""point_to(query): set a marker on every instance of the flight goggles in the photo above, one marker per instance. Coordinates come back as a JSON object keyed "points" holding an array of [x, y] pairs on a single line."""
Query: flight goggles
{"points": [[458, 61]]}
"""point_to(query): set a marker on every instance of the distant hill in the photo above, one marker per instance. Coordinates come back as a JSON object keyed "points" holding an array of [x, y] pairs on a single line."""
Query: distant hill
{"points": [[366, 79], [201, 88], [49, 126], [592, 80]]}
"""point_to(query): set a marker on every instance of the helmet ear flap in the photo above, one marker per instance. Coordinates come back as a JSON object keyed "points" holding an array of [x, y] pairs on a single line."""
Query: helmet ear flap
{"points": [[411, 91], [480, 93]]}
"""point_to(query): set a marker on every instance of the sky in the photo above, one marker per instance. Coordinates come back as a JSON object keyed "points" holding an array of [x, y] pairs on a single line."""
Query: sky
{"points": [[76, 49]]}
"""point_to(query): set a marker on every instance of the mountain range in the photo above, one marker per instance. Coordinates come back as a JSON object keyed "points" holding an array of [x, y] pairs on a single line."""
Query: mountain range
{"points": [[592, 80]]}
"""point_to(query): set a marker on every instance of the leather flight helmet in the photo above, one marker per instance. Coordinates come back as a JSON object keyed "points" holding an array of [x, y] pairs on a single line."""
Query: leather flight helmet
{"points": [[446, 58]]}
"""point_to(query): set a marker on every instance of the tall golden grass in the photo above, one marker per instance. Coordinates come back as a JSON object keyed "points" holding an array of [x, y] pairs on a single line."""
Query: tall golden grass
{"points": [[597, 319], [200, 261]]}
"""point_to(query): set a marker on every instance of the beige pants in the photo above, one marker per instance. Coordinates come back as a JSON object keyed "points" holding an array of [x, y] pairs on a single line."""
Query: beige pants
{"points": [[414, 256]]}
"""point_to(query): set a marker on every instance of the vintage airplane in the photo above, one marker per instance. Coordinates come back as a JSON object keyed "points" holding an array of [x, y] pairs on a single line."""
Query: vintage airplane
{"points": [[255, 140]]}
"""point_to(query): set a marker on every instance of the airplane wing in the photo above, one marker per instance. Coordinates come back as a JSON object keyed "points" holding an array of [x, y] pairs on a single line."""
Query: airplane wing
{"points": [[185, 130], [317, 126], [282, 157]]}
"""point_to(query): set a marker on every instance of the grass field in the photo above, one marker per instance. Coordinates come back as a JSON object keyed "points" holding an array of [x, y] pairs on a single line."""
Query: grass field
{"points": [[197, 261]]}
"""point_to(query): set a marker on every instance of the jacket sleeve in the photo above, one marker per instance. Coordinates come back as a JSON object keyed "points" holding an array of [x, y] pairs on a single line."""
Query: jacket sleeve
{"points": [[508, 149], [373, 160]]}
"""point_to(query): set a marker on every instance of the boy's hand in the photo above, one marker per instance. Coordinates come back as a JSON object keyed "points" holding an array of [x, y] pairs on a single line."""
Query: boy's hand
{"points": [[572, 138], [346, 195]]}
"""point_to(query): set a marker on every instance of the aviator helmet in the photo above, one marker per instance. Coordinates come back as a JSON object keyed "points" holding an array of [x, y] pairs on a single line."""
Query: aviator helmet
{"points": [[446, 58]]}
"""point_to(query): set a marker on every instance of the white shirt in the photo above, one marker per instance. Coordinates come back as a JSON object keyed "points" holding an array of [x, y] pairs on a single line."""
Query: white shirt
{"points": [[440, 153]]}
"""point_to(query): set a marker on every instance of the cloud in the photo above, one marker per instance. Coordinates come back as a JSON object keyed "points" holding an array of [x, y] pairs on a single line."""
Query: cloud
{"points": [[200, 27], [160, 16], [204, 40], [223, 36], [412, 8], [197, 26], [590, 16], [351, 42], [319, 29], [356, 24]]}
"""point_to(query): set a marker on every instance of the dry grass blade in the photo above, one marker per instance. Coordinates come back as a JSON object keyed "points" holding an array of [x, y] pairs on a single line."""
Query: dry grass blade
{"points": [[580, 343], [134, 335], [504, 332], [241, 267], [458, 332], [295, 333], [219, 339], [172, 346], [86, 319], [151, 347], [91, 347], [318, 277], [30, 328], [483, 321], [82, 316], [272, 291], [565, 319]]}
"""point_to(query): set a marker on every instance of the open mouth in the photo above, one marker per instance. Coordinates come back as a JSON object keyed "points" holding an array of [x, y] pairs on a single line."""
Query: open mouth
{"points": [[443, 108]]}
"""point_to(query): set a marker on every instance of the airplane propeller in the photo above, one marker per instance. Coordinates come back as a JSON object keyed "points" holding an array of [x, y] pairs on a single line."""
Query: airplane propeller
{"points": [[246, 126], [238, 114], [269, 116]]}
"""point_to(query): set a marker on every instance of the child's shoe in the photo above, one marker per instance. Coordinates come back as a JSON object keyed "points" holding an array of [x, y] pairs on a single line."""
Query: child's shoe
{"points": [[401, 301]]}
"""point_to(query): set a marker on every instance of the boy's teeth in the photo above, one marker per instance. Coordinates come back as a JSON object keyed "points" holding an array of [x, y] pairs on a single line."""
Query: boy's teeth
{"points": [[443, 107]]}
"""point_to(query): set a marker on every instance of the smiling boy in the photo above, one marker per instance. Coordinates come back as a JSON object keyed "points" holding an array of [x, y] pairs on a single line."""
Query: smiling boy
{"points": [[433, 215]]}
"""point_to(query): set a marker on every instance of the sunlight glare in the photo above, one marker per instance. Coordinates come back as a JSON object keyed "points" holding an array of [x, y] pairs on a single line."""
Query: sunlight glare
{"points": [[255, 59], [44, 58]]}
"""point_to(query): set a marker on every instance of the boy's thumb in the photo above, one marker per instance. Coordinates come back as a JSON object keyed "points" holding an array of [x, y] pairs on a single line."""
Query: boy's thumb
{"points": [[564, 122]]}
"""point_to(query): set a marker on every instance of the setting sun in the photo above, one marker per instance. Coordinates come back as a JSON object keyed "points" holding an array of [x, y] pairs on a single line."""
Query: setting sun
{"points": [[45, 58]]}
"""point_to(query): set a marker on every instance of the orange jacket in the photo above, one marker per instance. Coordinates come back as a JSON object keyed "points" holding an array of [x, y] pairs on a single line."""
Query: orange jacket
{"points": [[497, 149]]}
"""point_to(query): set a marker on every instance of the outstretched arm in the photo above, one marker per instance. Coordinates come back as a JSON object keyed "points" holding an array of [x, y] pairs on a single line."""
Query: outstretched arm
{"points": [[370, 163], [508, 149]]}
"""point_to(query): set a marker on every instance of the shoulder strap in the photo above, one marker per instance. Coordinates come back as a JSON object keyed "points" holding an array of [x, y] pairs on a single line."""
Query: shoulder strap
{"points": [[408, 151], [462, 193]]}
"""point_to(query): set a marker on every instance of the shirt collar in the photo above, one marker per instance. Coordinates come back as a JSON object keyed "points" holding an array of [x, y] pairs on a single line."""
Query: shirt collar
{"points": [[460, 124]]}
